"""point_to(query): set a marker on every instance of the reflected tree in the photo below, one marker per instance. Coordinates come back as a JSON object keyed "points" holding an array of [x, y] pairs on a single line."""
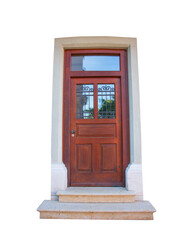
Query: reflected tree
{"points": [[107, 110]]}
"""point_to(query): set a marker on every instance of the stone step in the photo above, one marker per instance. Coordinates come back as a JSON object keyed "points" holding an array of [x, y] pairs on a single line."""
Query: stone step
{"points": [[139, 210], [96, 194]]}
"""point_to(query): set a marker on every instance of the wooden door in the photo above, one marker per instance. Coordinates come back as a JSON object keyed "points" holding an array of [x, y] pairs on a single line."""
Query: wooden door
{"points": [[96, 132], [96, 122]]}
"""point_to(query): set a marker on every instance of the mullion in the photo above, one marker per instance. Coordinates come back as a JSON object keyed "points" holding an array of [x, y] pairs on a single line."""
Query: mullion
{"points": [[95, 101]]}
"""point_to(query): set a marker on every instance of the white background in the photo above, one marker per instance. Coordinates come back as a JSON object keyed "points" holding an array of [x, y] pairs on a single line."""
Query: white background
{"points": [[27, 30]]}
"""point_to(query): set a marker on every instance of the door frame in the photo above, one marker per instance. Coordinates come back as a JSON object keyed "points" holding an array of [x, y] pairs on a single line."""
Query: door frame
{"points": [[122, 74]]}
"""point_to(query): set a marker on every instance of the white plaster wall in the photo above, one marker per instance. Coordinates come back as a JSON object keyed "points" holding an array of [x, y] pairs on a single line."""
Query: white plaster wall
{"points": [[58, 179], [134, 179], [134, 170], [57, 105]]}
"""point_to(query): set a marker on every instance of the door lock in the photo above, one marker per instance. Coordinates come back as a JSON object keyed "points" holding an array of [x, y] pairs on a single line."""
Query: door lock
{"points": [[72, 133]]}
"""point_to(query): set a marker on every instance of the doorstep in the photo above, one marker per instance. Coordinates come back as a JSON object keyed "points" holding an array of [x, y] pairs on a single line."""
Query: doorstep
{"points": [[96, 194], [139, 210]]}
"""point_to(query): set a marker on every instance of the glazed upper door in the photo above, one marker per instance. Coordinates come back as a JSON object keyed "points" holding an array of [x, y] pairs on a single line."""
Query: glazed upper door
{"points": [[96, 132], [95, 117]]}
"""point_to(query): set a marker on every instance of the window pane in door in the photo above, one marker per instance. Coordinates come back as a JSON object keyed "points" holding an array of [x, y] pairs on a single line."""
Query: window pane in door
{"points": [[95, 63], [106, 101], [84, 101]]}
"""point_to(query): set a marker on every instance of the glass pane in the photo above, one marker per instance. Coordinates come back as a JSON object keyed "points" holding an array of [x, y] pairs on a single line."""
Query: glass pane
{"points": [[95, 63], [84, 101], [106, 101]]}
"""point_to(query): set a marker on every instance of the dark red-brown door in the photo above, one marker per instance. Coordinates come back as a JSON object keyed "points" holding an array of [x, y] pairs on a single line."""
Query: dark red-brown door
{"points": [[96, 132], [95, 117]]}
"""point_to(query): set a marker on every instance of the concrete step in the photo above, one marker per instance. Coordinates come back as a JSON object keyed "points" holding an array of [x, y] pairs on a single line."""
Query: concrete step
{"points": [[96, 194], [139, 210]]}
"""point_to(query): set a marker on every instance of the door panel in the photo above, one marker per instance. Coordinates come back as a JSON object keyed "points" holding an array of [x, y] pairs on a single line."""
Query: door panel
{"points": [[109, 157], [83, 157], [95, 121], [96, 130]]}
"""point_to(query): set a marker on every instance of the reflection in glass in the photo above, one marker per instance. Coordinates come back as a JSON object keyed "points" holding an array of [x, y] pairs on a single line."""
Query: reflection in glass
{"points": [[84, 101], [106, 101], [95, 63]]}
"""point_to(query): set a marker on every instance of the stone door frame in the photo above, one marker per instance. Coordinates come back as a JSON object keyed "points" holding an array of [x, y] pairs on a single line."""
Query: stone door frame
{"points": [[58, 169]]}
